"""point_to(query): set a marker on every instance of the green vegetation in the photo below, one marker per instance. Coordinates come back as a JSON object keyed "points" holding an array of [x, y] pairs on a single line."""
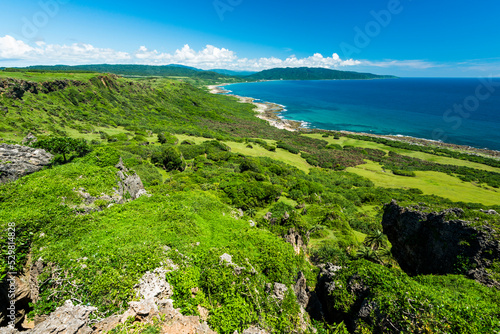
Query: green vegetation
{"points": [[308, 73], [225, 182], [63, 145], [424, 304]]}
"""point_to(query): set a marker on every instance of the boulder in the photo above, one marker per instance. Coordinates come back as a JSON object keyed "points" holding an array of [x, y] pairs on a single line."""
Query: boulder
{"points": [[17, 161], [130, 186], [68, 319], [153, 285]]}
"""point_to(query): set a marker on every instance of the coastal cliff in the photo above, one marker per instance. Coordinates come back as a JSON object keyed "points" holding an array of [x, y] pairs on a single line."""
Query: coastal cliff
{"points": [[441, 243]]}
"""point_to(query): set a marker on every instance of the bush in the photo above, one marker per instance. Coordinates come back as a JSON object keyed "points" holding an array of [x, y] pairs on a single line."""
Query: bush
{"points": [[403, 172], [167, 138], [118, 137], [169, 158], [103, 156]]}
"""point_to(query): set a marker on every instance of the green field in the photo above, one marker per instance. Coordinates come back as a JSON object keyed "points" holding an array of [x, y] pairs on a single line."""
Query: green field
{"points": [[41, 76], [431, 183], [343, 141]]}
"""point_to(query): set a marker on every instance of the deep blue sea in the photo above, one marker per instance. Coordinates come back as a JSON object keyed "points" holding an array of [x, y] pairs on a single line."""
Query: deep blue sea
{"points": [[459, 111]]}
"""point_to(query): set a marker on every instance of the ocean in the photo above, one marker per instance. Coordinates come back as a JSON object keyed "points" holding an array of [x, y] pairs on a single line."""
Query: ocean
{"points": [[461, 111]]}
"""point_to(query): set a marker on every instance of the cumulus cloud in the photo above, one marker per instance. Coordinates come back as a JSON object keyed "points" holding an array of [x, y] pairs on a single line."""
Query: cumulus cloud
{"points": [[42, 53], [208, 58], [18, 53], [10, 48]]}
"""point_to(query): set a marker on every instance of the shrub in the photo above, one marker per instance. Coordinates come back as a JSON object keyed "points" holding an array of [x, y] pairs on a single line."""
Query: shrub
{"points": [[118, 137], [403, 172], [167, 138], [103, 156], [169, 158]]}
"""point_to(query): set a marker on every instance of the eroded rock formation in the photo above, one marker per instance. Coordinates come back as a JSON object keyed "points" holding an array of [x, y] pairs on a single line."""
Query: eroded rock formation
{"points": [[17, 161], [441, 243]]}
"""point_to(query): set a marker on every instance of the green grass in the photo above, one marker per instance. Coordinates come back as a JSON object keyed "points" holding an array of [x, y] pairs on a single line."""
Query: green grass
{"points": [[40, 77], [343, 141], [280, 154], [431, 183]]}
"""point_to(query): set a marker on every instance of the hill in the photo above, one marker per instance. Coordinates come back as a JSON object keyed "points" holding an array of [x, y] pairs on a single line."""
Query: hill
{"points": [[242, 225], [302, 73], [310, 73], [234, 73], [131, 70]]}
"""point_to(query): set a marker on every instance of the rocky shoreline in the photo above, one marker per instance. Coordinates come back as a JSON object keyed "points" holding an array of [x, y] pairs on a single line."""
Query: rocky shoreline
{"points": [[269, 112], [266, 110]]}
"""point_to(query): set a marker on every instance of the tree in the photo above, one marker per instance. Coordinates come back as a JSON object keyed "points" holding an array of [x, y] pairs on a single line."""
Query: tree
{"points": [[167, 138], [161, 138], [251, 212], [170, 158], [63, 145]]}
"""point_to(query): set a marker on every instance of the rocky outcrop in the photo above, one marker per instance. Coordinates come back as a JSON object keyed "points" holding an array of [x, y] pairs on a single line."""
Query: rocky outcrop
{"points": [[154, 306], [130, 186], [29, 139], [277, 290], [324, 287], [363, 309], [69, 319], [16, 88], [441, 243], [24, 287], [17, 161], [295, 239]]}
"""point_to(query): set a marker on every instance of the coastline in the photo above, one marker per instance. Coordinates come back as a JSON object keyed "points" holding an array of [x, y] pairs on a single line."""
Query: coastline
{"points": [[265, 110], [269, 112]]}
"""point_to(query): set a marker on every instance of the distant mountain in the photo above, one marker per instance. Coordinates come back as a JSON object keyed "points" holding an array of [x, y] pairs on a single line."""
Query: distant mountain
{"points": [[233, 73], [136, 70], [311, 73], [173, 70]]}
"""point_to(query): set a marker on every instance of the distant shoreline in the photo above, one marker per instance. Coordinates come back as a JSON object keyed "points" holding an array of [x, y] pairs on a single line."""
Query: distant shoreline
{"points": [[269, 112], [266, 110]]}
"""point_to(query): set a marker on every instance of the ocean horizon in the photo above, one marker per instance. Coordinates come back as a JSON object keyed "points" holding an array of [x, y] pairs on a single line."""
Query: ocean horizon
{"points": [[462, 111]]}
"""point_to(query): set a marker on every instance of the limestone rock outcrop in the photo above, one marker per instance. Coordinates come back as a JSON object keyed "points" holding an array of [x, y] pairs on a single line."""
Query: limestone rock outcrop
{"points": [[16, 88], [441, 243], [296, 240], [17, 161], [130, 186]]}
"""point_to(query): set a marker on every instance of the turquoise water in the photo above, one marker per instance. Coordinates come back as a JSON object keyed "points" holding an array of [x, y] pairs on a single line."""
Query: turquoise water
{"points": [[460, 111]]}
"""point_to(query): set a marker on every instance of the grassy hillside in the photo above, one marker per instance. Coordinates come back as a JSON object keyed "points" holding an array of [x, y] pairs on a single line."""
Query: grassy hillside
{"points": [[223, 181]]}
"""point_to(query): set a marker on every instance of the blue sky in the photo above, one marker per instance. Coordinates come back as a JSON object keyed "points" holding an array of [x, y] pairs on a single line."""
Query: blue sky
{"points": [[405, 37]]}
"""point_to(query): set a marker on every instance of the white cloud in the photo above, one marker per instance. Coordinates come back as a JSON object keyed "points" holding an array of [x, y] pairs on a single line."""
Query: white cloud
{"points": [[42, 53], [17, 53], [11, 48], [208, 58]]}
